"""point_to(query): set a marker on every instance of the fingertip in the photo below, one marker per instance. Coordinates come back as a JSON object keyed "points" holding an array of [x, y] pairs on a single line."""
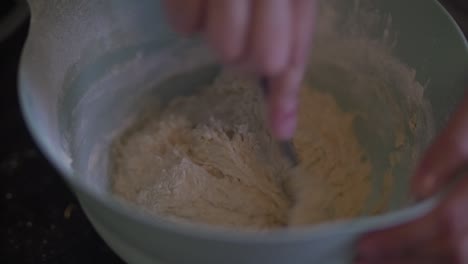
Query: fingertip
{"points": [[436, 169], [282, 117], [283, 102], [423, 186], [446, 157], [283, 128]]}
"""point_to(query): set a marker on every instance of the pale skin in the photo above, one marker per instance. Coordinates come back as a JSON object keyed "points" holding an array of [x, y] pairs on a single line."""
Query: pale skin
{"points": [[272, 38], [269, 37]]}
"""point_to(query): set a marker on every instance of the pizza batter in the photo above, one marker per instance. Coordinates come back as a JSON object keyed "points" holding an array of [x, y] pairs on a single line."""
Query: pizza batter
{"points": [[208, 158]]}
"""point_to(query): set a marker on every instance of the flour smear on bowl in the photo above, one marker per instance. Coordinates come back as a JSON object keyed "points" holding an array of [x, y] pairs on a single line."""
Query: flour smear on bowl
{"points": [[208, 158]]}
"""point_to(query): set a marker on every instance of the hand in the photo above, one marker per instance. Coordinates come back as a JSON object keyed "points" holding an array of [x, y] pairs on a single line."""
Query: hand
{"points": [[271, 37], [441, 237]]}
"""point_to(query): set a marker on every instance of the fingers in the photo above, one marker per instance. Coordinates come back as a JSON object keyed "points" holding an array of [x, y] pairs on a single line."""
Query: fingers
{"points": [[421, 241], [445, 157], [186, 16], [398, 242], [283, 102], [270, 36], [454, 212], [436, 251], [303, 25], [227, 27], [439, 237]]}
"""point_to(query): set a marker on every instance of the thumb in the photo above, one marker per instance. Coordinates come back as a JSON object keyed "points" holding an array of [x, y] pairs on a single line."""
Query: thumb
{"points": [[446, 156]]}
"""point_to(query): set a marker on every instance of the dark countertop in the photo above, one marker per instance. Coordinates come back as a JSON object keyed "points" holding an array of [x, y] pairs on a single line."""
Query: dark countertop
{"points": [[40, 219]]}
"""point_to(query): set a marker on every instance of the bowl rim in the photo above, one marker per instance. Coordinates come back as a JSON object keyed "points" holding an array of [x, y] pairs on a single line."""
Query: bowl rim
{"points": [[201, 231]]}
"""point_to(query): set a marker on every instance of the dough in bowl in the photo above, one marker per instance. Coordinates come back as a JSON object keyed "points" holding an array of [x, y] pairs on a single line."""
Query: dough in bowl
{"points": [[208, 158]]}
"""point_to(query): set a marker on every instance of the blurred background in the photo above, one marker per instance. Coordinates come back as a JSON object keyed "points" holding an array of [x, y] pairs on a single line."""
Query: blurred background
{"points": [[40, 220]]}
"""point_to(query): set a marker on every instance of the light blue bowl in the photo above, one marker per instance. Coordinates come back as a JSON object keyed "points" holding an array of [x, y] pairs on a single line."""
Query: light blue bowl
{"points": [[79, 63]]}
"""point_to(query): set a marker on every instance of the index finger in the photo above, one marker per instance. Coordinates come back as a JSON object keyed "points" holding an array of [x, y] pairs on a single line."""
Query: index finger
{"points": [[446, 156], [282, 102]]}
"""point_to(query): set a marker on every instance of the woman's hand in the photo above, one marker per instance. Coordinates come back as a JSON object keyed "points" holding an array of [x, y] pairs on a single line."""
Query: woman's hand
{"points": [[441, 237], [270, 37]]}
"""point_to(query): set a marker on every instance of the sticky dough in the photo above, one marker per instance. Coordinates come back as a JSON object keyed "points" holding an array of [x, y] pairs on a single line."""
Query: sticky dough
{"points": [[209, 159]]}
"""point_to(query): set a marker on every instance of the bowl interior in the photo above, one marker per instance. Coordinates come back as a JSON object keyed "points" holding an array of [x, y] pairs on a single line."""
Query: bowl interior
{"points": [[358, 57]]}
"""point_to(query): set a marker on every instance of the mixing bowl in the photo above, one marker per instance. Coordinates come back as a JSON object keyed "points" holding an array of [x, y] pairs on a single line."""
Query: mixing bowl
{"points": [[87, 65]]}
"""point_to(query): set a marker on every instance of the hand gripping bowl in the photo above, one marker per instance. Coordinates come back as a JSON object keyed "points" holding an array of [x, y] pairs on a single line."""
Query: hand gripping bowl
{"points": [[79, 82]]}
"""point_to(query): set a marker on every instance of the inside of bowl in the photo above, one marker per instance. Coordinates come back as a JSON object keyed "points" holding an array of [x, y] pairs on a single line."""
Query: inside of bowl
{"points": [[102, 108], [353, 58]]}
